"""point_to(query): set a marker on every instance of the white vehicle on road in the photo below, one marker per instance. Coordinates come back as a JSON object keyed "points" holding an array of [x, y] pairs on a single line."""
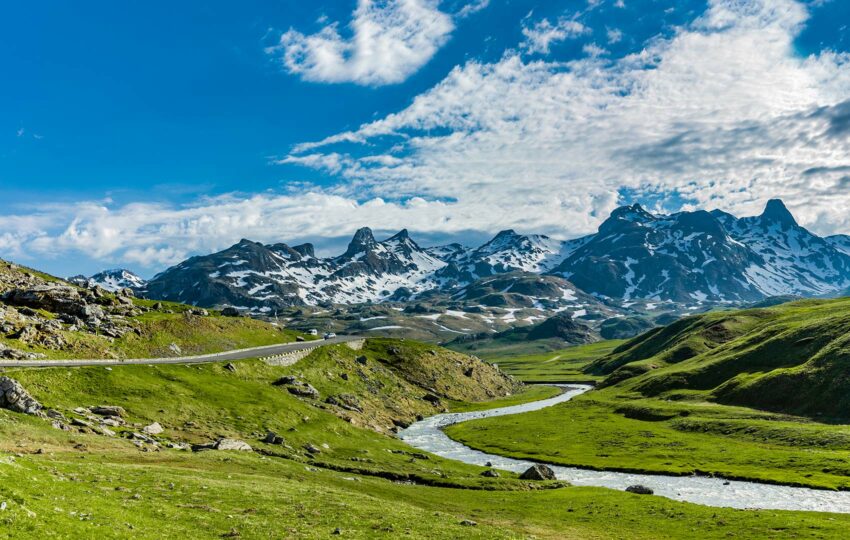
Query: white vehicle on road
{"points": [[330, 335]]}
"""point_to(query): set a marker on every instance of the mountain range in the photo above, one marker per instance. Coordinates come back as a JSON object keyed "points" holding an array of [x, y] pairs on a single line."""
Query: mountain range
{"points": [[686, 258]]}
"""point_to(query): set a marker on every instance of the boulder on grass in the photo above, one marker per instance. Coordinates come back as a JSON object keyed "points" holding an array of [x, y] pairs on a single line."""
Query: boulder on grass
{"points": [[109, 410], [14, 398], [538, 472], [233, 444]]}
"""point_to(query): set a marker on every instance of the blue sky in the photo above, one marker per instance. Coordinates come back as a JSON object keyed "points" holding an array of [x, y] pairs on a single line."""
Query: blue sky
{"points": [[136, 134]]}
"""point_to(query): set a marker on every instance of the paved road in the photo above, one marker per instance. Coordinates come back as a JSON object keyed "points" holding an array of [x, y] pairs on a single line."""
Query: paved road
{"points": [[239, 354]]}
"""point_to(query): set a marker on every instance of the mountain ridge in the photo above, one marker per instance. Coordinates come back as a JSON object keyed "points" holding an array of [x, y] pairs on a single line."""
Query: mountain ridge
{"points": [[690, 258]]}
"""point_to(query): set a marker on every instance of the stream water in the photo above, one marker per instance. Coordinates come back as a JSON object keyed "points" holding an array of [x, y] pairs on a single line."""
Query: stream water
{"points": [[428, 435]]}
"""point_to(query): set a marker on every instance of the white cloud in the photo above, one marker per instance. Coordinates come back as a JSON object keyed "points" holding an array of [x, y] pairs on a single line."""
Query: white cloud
{"points": [[472, 8], [543, 34], [614, 35], [724, 113], [390, 40]]}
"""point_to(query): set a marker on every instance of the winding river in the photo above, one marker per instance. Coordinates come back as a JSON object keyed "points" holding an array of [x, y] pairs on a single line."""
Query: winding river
{"points": [[428, 435]]}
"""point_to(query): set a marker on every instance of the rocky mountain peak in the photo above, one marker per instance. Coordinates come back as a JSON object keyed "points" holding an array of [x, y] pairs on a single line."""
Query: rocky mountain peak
{"points": [[776, 212], [306, 250], [363, 240]]}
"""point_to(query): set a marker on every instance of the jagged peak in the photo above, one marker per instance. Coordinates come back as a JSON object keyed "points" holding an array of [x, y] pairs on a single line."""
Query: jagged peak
{"points": [[363, 241], [306, 250], [775, 211], [400, 235]]}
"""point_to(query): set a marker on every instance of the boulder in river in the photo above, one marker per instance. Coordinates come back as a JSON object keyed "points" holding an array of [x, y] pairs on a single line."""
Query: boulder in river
{"points": [[639, 490], [538, 471]]}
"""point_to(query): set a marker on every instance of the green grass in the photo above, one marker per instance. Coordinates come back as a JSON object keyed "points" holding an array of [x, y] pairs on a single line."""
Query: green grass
{"points": [[604, 431], [61, 484], [564, 365], [214, 495]]}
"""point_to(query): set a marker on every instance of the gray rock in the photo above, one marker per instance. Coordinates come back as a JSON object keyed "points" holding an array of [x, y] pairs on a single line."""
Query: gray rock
{"points": [[538, 471], [303, 390], [273, 438], [175, 348], [233, 444], [231, 312], [109, 410], [491, 474], [153, 429], [639, 490], [15, 398], [230, 367]]}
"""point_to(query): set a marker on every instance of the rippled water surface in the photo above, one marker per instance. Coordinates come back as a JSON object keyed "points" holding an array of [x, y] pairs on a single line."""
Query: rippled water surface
{"points": [[427, 435]]}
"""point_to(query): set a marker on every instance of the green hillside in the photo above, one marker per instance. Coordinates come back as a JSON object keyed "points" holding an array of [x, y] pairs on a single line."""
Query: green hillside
{"points": [[756, 394], [792, 358]]}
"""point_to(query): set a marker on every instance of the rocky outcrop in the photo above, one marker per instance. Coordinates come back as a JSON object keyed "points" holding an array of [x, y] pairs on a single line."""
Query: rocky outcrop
{"points": [[538, 471], [15, 398]]}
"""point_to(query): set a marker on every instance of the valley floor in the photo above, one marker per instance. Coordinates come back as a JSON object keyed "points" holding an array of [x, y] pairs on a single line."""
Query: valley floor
{"points": [[327, 475]]}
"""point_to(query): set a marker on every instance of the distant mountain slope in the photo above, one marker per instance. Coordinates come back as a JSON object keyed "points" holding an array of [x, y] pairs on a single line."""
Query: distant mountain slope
{"points": [[706, 256], [111, 280], [790, 358], [637, 260]]}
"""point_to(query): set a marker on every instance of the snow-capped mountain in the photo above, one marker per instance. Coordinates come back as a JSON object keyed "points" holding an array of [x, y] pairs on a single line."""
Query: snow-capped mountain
{"points": [[268, 277], [507, 252], [111, 280], [793, 260], [706, 257], [688, 258]]}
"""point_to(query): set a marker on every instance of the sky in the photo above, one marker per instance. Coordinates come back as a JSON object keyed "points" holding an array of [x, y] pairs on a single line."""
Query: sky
{"points": [[138, 134]]}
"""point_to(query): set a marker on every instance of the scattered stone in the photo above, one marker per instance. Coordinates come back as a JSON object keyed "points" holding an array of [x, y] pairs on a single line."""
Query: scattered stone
{"points": [[153, 429], [491, 474], [230, 311], [15, 398], [233, 444], [112, 421], [8, 353], [54, 414], [336, 531], [469, 372], [468, 523], [230, 367], [488, 464], [199, 312], [639, 490], [432, 399], [80, 423], [538, 471], [361, 360], [312, 448], [273, 438], [109, 410], [303, 390], [346, 401], [288, 379], [175, 348]]}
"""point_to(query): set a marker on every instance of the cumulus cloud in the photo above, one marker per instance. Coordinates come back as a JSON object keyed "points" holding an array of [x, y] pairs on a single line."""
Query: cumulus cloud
{"points": [[722, 114], [390, 40], [540, 36]]}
